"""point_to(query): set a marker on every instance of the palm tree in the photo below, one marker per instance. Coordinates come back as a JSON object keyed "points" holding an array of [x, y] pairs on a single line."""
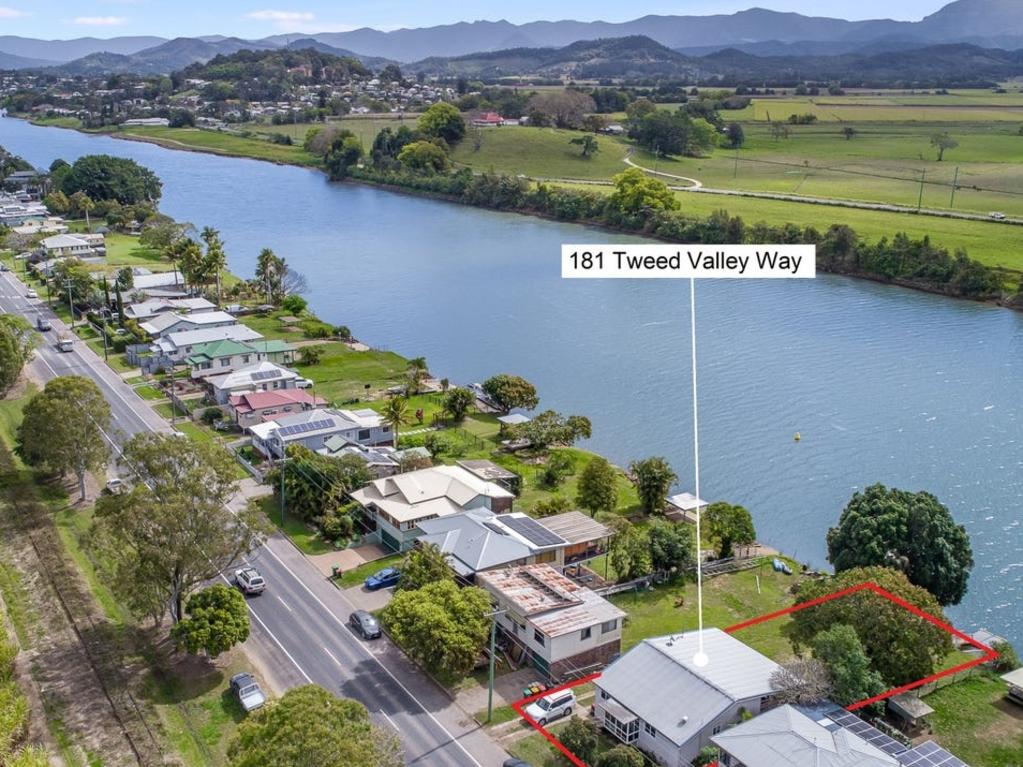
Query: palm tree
{"points": [[216, 259], [190, 258], [417, 371], [396, 415]]}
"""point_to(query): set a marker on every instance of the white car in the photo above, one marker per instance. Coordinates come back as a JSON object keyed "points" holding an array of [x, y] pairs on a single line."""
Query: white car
{"points": [[249, 693], [31, 294], [551, 707], [249, 580], [116, 486], [304, 383], [996, 215]]}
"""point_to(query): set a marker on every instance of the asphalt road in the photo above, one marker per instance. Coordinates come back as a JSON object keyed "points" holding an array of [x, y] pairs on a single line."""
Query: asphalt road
{"points": [[300, 622]]}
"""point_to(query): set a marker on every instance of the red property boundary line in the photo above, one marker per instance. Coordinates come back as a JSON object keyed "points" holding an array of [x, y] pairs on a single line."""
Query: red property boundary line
{"points": [[988, 655]]}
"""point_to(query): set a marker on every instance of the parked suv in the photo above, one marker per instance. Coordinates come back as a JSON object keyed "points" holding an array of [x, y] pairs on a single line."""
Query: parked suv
{"points": [[249, 580], [551, 707]]}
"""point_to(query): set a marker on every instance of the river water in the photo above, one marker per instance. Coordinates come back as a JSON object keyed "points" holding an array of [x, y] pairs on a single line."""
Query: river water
{"points": [[884, 384]]}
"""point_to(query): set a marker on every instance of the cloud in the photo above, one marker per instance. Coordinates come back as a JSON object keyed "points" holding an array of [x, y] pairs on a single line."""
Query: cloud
{"points": [[99, 21], [297, 21], [280, 16], [11, 13]]}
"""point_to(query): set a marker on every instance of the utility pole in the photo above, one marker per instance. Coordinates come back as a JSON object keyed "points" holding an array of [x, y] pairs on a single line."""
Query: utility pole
{"points": [[735, 171], [493, 654], [277, 433], [955, 183], [70, 302], [920, 199]]}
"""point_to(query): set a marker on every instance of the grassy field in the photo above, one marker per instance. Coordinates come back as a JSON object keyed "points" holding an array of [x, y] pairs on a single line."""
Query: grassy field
{"points": [[219, 143], [343, 374], [365, 128], [973, 720]]}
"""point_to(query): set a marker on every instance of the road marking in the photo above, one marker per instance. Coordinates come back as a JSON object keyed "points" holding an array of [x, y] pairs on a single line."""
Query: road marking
{"points": [[373, 657], [286, 607], [385, 716], [332, 656]]}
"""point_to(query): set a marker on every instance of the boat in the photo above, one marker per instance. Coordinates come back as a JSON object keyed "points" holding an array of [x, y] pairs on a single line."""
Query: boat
{"points": [[797, 437]]}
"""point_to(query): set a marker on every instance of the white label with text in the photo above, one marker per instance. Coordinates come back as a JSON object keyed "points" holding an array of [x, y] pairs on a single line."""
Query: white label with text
{"points": [[683, 261]]}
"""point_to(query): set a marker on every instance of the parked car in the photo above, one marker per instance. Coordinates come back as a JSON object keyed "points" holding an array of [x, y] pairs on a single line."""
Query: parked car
{"points": [[304, 383], [551, 707], [996, 215], [383, 579], [365, 624], [248, 691], [249, 580], [42, 323], [4, 267], [116, 486], [31, 294]]}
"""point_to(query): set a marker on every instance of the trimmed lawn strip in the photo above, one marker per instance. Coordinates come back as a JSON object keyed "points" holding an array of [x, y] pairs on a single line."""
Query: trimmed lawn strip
{"points": [[357, 575], [305, 537], [974, 721]]}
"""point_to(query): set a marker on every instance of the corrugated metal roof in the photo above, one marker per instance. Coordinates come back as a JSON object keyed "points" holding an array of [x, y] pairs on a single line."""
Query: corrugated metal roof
{"points": [[576, 527]]}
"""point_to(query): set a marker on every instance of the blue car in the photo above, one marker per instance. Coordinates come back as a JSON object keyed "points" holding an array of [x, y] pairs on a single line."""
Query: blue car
{"points": [[383, 579]]}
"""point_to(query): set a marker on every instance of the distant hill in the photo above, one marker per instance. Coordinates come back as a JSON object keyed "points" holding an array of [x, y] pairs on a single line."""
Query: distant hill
{"points": [[10, 61], [162, 59], [59, 51], [269, 74], [309, 43]]}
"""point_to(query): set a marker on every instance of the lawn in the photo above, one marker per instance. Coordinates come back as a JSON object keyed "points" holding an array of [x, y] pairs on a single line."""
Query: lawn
{"points": [[973, 720], [219, 143], [343, 375], [364, 128], [305, 537], [727, 599], [357, 575]]}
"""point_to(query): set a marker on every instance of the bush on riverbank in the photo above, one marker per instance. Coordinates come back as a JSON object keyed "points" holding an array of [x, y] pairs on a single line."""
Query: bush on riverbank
{"points": [[912, 262]]}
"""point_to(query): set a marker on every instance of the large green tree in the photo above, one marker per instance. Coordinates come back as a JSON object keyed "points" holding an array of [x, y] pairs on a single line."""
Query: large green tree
{"points": [[653, 478], [424, 157], [311, 726], [580, 737], [173, 531], [457, 402], [424, 564], [552, 428], [396, 415], [217, 619], [620, 756], [597, 489], [636, 192], [441, 626], [630, 554], [842, 653], [902, 647], [16, 343], [511, 391], [912, 532], [215, 259], [103, 177], [442, 120], [672, 546], [727, 526], [316, 485], [64, 428]]}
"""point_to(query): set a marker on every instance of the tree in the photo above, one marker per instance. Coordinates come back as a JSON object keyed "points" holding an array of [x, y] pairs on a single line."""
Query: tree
{"points": [[943, 142], [598, 486], [424, 564], [294, 304], [779, 130], [636, 192], [309, 725], [510, 391], [57, 203], [343, 153], [801, 682], [580, 737], [589, 144], [735, 135], [552, 428], [417, 371], [173, 530], [841, 652], [653, 478], [457, 402], [442, 120], [63, 428], [728, 526], [900, 645], [16, 343], [559, 465], [424, 157], [672, 546], [103, 177], [215, 260], [217, 619], [563, 109], [630, 554], [316, 485], [620, 756], [72, 272], [268, 275], [1008, 658], [81, 204], [848, 131], [396, 415], [441, 626], [913, 532]]}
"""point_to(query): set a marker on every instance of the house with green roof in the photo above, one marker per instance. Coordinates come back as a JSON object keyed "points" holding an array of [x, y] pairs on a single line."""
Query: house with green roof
{"points": [[226, 355]]}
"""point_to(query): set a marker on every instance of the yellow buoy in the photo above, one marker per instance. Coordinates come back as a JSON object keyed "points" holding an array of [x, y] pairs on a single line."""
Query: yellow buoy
{"points": [[797, 437]]}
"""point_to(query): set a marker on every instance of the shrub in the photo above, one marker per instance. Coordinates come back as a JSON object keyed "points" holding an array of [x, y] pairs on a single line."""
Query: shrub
{"points": [[336, 525], [310, 355], [294, 304], [316, 329], [211, 414], [556, 504]]}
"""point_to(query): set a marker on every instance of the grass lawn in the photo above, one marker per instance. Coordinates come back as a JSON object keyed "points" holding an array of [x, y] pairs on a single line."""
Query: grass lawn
{"points": [[219, 143], [341, 375], [271, 326], [357, 575], [973, 720], [537, 751], [302, 535], [727, 599], [148, 392]]}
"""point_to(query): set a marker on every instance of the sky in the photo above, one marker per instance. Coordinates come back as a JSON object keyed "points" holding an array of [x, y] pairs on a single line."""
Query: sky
{"points": [[63, 19]]}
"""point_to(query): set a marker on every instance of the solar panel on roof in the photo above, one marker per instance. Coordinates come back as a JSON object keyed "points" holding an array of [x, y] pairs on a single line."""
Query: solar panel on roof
{"points": [[263, 375], [871, 735], [495, 527], [301, 428], [532, 531], [930, 754]]}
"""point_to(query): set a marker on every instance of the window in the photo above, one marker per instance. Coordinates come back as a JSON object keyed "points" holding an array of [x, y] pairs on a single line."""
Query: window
{"points": [[649, 728], [538, 637], [626, 732], [717, 729], [363, 434], [225, 362], [585, 633], [245, 357], [604, 695], [610, 625]]}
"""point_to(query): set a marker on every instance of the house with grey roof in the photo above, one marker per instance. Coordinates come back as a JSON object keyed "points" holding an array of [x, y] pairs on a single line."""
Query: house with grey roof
{"points": [[259, 376], [658, 699], [173, 348], [560, 627], [314, 428], [173, 322]]}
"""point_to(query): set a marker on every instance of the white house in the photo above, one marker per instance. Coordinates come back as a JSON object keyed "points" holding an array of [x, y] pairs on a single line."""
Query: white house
{"points": [[559, 626], [172, 322], [149, 308], [394, 506], [174, 347], [73, 246], [657, 699], [158, 285], [313, 428], [260, 376]]}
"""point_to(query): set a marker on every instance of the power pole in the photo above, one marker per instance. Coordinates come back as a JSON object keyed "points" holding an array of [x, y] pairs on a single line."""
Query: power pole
{"points": [[955, 183], [493, 654], [70, 302], [920, 199], [283, 463]]}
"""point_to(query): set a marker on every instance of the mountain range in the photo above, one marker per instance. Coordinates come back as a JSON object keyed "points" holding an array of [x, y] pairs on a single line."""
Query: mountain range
{"points": [[986, 23]]}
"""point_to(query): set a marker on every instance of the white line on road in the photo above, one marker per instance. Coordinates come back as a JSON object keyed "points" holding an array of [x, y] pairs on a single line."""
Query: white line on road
{"points": [[286, 607], [332, 656], [373, 657]]}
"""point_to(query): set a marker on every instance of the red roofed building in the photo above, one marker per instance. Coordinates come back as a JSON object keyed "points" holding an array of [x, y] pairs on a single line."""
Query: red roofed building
{"points": [[256, 407], [487, 119]]}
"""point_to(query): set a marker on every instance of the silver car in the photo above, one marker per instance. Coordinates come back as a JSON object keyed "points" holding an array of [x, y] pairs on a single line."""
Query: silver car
{"points": [[249, 580], [248, 691]]}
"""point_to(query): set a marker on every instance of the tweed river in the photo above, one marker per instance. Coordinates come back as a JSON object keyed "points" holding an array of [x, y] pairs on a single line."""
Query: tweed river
{"points": [[883, 384]]}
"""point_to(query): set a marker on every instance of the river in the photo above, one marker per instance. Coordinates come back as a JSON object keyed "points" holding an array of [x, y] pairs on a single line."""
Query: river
{"points": [[884, 384]]}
